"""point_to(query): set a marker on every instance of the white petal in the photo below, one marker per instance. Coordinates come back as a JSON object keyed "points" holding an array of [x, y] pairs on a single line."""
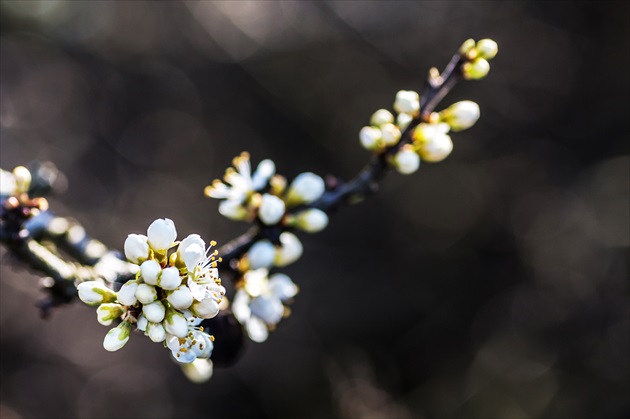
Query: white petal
{"points": [[268, 308], [156, 332], [257, 329], [142, 323], [261, 254], [281, 286], [205, 309], [265, 170], [233, 209], [240, 307], [127, 293], [289, 251]]}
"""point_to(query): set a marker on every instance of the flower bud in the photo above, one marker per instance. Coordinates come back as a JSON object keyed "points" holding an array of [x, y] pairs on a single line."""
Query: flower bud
{"points": [[271, 209], [380, 117], [107, 313], [181, 298], [261, 254], [487, 48], [426, 132], [95, 292], [127, 293], [305, 188], [146, 293], [436, 149], [403, 119], [281, 286], [154, 312], [476, 69], [370, 137], [467, 46], [8, 185], [175, 323], [199, 371], [205, 309], [156, 332], [136, 248], [391, 134], [406, 161], [312, 220], [407, 101], [117, 337], [289, 251], [233, 210], [22, 179], [161, 234], [150, 269], [169, 279], [267, 308], [461, 115], [142, 323]]}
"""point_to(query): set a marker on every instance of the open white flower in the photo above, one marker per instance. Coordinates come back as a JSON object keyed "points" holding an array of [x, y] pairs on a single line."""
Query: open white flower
{"points": [[258, 305], [239, 184]]}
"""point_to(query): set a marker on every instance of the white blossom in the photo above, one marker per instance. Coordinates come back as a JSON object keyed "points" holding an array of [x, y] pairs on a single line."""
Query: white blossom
{"points": [[136, 248], [487, 48], [156, 332], [461, 115], [390, 134], [95, 292], [154, 312], [169, 279], [181, 298], [199, 371], [195, 345], [380, 117], [150, 270], [127, 293], [289, 251], [146, 293], [407, 101], [206, 308], [161, 234], [259, 304], [312, 220], [407, 161], [107, 313], [370, 137], [175, 323], [271, 209], [117, 337], [305, 188], [261, 254]]}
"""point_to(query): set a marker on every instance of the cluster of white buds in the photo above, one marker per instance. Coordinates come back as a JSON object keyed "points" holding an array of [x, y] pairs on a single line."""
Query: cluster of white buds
{"points": [[265, 196], [171, 294], [259, 303], [429, 140], [478, 54], [16, 182]]}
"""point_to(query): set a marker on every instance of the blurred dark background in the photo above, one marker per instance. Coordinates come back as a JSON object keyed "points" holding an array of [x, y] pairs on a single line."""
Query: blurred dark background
{"points": [[491, 285]]}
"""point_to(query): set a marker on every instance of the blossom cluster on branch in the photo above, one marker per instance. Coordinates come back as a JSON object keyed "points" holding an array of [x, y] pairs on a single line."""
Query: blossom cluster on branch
{"points": [[170, 290]]}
